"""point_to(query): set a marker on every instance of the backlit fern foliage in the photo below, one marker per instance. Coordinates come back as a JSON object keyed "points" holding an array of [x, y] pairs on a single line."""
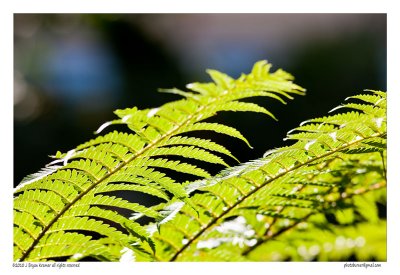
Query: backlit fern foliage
{"points": [[321, 198]]}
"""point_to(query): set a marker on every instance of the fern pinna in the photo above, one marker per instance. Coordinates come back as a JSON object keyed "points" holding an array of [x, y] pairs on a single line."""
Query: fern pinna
{"points": [[69, 210], [317, 199]]}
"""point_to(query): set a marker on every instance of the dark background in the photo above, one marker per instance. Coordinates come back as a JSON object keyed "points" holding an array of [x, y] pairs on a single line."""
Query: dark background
{"points": [[72, 71]]}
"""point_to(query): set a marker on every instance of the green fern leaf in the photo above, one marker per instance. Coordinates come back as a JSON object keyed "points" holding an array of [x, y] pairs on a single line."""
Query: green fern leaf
{"points": [[335, 168], [74, 199]]}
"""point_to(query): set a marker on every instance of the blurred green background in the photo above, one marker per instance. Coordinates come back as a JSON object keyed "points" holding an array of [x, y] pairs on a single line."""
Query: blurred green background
{"points": [[71, 70]]}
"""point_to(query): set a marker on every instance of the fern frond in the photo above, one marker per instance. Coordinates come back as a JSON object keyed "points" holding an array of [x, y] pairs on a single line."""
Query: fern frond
{"points": [[75, 200], [336, 165]]}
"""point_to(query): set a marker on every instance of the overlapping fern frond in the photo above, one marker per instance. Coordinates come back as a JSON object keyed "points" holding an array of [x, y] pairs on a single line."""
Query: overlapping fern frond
{"points": [[322, 198], [72, 210]]}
